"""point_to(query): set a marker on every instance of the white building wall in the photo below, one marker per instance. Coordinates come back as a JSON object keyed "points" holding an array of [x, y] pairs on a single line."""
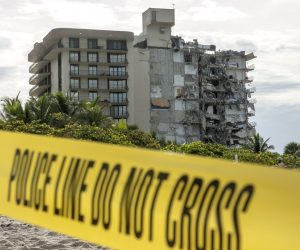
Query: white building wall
{"points": [[54, 75]]}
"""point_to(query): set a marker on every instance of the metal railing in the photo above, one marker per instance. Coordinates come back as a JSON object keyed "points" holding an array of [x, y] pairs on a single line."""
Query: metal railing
{"points": [[123, 101], [123, 114], [85, 59], [38, 77], [97, 73]]}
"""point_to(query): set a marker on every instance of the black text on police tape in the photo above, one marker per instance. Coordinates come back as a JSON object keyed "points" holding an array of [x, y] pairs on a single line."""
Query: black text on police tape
{"points": [[199, 201]]}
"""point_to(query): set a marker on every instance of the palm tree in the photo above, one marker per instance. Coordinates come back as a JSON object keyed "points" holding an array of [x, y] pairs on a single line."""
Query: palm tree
{"points": [[13, 110], [258, 145], [90, 113], [291, 148], [42, 107], [65, 104]]}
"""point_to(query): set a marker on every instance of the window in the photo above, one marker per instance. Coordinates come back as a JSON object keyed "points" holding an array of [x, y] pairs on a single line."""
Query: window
{"points": [[117, 58], [116, 44], [74, 83], [92, 70], [74, 95], [153, 15], [117, 84], [92, 44], [188, 57], [74, 56], [74, 43], [118, 97], [119, 111], [93, 57], [162, 30], [93, 95], [117, 71], [93, 83], [74, 69]]}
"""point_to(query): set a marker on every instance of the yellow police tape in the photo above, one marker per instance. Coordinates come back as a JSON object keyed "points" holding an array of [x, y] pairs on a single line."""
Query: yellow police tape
{"points": [[128, 198]]}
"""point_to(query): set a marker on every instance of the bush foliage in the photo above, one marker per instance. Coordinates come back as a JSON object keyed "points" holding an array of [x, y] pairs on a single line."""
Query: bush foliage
{"points": [[137, 138]]}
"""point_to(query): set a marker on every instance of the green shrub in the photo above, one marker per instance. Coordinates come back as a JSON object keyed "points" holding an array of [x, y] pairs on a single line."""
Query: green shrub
{"points": [[138, 138]]}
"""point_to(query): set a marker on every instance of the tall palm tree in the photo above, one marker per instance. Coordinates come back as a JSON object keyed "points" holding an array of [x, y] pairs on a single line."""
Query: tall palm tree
{"points": [[258, 145], [13, 110]]}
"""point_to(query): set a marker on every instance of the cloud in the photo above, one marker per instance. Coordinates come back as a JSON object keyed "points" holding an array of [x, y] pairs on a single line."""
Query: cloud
{"points": [[264, 88], [81, 13], [5, 43], [211, 11], [281, 123], [5, 72]]}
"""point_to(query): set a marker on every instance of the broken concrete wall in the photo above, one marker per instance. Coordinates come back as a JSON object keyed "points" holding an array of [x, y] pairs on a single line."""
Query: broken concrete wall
{"points": [[161, 91]]}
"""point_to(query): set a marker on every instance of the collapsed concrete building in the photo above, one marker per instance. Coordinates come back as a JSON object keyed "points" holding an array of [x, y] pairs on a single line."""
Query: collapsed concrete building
{"points": [[182, 91], [196, 92]]}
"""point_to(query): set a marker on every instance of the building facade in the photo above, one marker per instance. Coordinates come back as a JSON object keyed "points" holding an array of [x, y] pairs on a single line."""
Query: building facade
{"points": [[84, 64], [182, 91]]}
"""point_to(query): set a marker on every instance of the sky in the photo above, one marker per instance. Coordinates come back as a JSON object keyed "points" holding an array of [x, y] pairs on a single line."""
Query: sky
{"points": [[269, 28]]}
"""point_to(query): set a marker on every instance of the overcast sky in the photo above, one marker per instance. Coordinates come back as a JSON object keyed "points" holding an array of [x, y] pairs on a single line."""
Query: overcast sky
{"points": [[269, 28]]}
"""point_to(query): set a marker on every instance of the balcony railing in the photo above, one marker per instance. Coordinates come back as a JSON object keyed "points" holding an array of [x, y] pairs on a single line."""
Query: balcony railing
{"points": [[77, 87], [98, 73], [35, 67], [250, 67], [37, 78], [123, 114], [123, 101], [118, 89], [84, 59]]}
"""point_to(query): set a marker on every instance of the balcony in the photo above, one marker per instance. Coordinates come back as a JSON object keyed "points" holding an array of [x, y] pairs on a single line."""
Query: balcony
{"points": [[232, 65], [251, 112], [251, 90], [54, 50], [250, 67], [102, 60], [212, 116], [249, 79], [36, 67], [86, 88], [119, 102], [119, 115], [38, 90], [252, 100], [99, 73], [250, 56], [118, 89], [37, 78]]}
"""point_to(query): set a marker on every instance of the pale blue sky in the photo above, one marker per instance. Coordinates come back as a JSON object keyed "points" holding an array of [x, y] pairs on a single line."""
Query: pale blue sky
{"points": [[269, 28]]}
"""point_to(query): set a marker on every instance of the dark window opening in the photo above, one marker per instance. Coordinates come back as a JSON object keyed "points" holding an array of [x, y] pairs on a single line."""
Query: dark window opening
{"points": [[92, 43], [74, 43], [116, 44], [215, 110], [188, 57], [153, 16]]}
